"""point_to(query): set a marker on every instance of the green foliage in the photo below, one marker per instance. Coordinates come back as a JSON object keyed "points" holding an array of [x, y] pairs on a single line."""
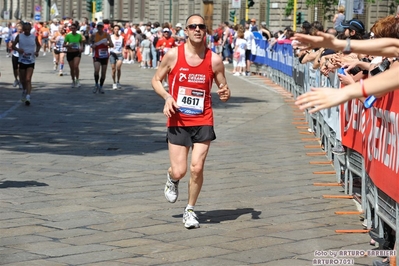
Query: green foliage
{"points": [[289, 8], [328, 6]]}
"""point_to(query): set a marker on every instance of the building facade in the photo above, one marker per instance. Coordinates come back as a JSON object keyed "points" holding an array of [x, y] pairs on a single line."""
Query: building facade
{"points": [[174, 11]]}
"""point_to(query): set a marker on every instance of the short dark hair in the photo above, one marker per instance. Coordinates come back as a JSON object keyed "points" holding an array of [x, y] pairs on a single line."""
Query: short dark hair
{"points": [[195, 15]]}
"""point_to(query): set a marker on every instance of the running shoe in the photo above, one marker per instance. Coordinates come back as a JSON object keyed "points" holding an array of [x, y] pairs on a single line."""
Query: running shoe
{"points": [[114, 86], [55, 66], [61, 73], [100, 90], [77, 83], [190, 219], [73, 84], [118, 85], [20, 85], [27, 100], [171, 189], [95, 89], [16, 83], [23, 96], [236, 74]]}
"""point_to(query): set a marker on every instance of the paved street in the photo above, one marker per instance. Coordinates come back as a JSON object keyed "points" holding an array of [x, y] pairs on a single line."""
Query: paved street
{"points": [[82, 178]]}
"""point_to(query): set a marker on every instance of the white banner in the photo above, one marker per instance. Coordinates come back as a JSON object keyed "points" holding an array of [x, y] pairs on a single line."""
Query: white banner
{"points": [[358, 6], [54, 11], [6, 15], [236, 4]]}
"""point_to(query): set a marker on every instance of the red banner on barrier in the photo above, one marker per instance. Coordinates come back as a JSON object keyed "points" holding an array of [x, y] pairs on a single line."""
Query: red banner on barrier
{"points": [[374, 133]]}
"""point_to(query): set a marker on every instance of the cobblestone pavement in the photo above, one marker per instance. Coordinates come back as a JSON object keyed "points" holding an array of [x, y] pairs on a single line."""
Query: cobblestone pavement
{"points": [[82, 178]]}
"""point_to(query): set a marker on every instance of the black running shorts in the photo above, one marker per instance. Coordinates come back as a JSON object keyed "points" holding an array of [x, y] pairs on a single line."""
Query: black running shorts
{"points": [[187, 136]]}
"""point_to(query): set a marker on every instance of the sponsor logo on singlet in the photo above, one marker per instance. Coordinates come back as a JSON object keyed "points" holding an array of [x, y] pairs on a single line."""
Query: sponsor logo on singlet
{"points": [[196, 78], [182, 77]]}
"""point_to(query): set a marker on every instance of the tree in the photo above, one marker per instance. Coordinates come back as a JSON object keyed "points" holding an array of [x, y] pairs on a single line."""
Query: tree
{"points": [[327, 5]]}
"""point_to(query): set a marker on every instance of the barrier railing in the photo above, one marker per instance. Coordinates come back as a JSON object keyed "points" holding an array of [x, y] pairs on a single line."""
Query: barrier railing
{"points": [[371, 139]]}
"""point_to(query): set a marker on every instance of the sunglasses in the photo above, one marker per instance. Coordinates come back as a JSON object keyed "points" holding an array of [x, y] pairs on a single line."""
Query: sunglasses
{"points": [[194, 26]]}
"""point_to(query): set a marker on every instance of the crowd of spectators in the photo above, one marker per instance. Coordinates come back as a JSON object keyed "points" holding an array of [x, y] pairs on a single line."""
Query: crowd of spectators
{"points": [[351, 68]]}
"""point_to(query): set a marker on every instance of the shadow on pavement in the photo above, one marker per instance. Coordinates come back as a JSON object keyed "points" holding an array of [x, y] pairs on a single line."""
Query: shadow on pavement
{"points": [[218, 216], [21, 184]]}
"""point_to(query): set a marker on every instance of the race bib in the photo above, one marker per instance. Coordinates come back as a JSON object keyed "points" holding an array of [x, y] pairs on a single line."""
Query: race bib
{"points": [[75, 46], [191, 101], [45, 34], [103, 53], [27, 59]]}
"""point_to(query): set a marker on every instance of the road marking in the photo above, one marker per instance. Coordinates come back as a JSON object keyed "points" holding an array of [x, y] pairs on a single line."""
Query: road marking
{"points": [[15, 106]]}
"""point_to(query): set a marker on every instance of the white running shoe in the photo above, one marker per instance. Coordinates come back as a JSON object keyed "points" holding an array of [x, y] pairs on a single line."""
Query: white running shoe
{"points": [[44, 54], [55, 67], [77, 83], [171, 189], [236, 74], [114, 86], [190, 219], [73, 84], [27, 100], [61, 73], [118, 85], [16, 83]]}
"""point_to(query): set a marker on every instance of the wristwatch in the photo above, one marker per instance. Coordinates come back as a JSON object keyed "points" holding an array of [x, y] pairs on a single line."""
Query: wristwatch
{"points": [[347, 49]]}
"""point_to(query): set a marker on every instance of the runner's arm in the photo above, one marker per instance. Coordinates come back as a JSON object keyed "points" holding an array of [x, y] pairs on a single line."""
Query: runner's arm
{"points": [[167, 64], [220, 78]]}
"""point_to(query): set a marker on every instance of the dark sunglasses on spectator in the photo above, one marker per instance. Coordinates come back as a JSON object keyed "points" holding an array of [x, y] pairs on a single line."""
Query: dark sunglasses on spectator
{"points": [[194, 26]]}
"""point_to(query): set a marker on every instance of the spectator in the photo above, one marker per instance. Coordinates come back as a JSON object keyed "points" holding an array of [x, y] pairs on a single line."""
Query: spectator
{"points": [[249, 37], [253, 27], [226, 43], [339, 18], [179, 36], [266, 34]]}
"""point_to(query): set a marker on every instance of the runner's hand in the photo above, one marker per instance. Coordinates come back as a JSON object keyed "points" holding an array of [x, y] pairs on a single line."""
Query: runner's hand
{"points": [[223, 92], [170, 106]]}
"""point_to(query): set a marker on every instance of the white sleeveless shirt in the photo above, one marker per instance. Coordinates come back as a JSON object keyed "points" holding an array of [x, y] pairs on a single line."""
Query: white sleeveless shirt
{"points": [[28, 44]]}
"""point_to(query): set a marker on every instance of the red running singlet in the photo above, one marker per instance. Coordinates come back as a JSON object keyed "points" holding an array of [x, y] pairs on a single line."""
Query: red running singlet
{"points": [[190, 86]]}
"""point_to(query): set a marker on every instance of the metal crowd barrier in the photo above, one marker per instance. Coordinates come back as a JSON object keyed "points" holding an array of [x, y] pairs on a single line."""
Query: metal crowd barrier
{"points": [[379, 209]]}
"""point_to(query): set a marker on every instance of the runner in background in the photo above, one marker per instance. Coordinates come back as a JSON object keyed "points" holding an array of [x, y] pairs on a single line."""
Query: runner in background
{"points": [[59, 49], [100, 43], [27, 45], [116, 57], [44, 34], [15, 57], [74, 44]]}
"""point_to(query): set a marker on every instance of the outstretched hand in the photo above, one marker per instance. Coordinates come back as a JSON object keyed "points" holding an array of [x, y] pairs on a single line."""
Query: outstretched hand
{"points": [[321, 98], [306, 41]]}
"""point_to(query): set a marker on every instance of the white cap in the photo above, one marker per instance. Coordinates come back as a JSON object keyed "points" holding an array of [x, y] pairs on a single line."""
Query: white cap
{"points": [[165, 30], [178, 25]]}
